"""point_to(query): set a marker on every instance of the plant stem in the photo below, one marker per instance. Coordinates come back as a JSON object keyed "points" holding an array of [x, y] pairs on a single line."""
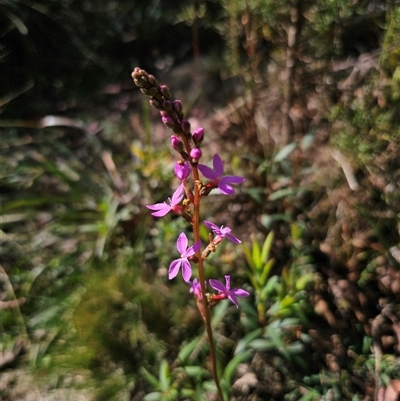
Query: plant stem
{"points": [[207, 315]]}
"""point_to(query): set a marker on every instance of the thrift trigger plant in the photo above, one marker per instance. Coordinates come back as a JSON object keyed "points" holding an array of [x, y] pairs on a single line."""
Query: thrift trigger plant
{"points": [[186, 200]]}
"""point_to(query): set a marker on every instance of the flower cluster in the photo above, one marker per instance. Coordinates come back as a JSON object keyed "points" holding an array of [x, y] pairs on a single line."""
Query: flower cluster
{"points": [[185, 201]]}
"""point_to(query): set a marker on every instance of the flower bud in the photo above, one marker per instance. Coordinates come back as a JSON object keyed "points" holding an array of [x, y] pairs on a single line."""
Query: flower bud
{"points": [[168, 121], [198, 135], [155, 103], [167, 105], [154, 92], [195, 154], [145, 91], [176, 143], [177, 106], [182, 170], [165, 92], [136, 73], [185, 125], [152, 80]]}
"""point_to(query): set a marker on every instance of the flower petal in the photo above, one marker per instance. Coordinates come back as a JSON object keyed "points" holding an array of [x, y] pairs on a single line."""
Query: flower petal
{"points": [[225, 188], [228, 282], [193, 249], [162, 211], [233, 179], [239, 292], [177, 195], [217, 285], [186, 270], [182, 243], [233, 239], [207, 172], [233, 299], [156, 206], [174, 268], [211, 226], [218, 165]]}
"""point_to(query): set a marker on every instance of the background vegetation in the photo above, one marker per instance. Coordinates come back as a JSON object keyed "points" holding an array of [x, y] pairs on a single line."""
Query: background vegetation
{"points": [[302, 96]]}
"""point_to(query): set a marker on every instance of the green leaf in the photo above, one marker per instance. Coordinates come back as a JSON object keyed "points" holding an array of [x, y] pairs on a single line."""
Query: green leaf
{"points": [[267, 246], [165, 378], [287, 301], [307, 140], [153, 397], [256, 255], [282, 193], [244, 342], [247, 255], [295, 232], [187, 350], [272, 284], [266, 270], [196, 371], [151, 379], [261, 345], [309, 396], [234, 363], [285, 152]]}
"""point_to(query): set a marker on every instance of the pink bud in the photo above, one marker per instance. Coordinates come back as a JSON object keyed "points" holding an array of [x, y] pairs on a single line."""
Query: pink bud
{"points": [[177, 106], [185, 125], [195, 153], [198, 135], [167, 105], [165, 92], [176, 143], [168, 121]]}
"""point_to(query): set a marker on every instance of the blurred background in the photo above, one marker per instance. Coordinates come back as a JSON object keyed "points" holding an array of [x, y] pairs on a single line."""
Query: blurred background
{"points": [[300, 97]]}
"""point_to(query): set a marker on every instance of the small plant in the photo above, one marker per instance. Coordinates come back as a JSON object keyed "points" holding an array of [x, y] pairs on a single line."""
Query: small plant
{"points": [[186, 202]]}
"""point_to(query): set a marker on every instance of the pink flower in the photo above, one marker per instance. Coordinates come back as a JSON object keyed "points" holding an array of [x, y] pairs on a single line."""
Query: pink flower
{"points": [[183, 261], [173, 204], [222, 232], [182, 170], [195, 288], [223, 183], [226, 292]]}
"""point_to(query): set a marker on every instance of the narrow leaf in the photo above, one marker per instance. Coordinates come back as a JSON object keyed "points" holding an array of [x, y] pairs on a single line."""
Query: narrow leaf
{"points": [[245, 341], [285, 152], [267, 246], [256, 255], [266, 270], [230, 369]]}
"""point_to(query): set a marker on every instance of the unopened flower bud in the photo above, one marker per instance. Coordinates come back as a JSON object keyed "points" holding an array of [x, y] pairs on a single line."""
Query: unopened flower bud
{"points": [[167, 105], [168, 121], [136, 73], [145, 91], [185, 125], [195, 154], [177, 107], [155, 103], [152, 80], [165, 92], [176, 143], [154, 92], [198, 135]]}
